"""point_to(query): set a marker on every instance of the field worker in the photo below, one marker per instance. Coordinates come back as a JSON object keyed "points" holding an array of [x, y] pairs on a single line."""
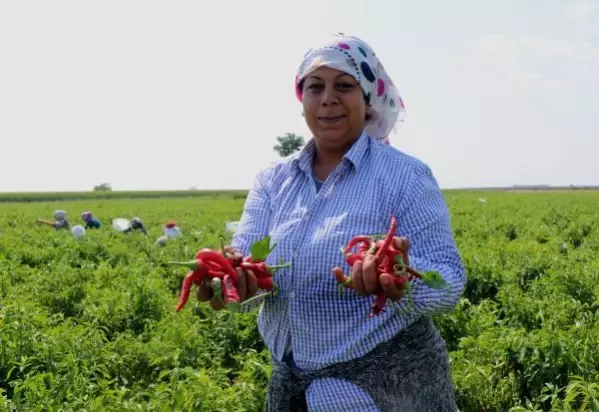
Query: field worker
{"points": [[136, 224], [327, 353], [60, 220], [171, 229], [90, 221]]}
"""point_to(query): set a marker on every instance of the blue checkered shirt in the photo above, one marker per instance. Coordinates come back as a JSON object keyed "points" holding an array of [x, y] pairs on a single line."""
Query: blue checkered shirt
{"points": [[309, 317]]}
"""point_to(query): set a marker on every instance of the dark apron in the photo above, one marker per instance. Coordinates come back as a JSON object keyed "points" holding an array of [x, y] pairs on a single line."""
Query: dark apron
{"points": [[409, 373]]}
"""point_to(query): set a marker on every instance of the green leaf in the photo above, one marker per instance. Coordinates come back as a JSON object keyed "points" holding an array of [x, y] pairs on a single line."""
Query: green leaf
{"points": [[434, 280], [261, 249]]}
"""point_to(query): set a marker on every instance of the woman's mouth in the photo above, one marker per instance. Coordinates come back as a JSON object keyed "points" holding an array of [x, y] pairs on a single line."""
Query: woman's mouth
{"points": [[331, 119]]}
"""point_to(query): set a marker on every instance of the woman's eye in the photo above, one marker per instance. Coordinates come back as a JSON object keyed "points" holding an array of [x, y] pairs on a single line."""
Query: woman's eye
{"points": [[315, 87], [345, 86]]}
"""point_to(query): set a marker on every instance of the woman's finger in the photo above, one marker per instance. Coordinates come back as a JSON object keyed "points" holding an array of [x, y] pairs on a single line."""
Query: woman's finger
{"points": [[369, 277], [357, 278], [205, 291], [236, 254], [241, 284], [340, 276], [217, 303], [402, 243], [251, 284], [391, 290]]}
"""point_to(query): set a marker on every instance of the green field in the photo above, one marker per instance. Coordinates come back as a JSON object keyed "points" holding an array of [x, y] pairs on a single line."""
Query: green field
{"points": [[89, 324]]}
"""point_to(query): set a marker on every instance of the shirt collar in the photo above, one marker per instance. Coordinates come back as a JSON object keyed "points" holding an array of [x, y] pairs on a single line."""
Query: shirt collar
{"points": [[355, 155]]}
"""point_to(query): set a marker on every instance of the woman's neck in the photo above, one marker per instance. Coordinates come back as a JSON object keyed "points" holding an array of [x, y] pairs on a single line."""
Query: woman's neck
{"points": [[327, 159]]}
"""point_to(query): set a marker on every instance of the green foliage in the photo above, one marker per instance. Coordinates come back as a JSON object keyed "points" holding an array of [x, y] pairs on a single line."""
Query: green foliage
{"points": [[89, 324], [261, 249], [288, 144]]}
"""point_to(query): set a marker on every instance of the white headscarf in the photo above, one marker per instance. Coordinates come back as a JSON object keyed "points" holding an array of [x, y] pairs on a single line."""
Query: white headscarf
{"points": [[354, 57]]}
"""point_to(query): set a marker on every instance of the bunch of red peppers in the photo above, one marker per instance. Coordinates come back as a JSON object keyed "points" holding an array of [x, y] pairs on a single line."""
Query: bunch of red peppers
{"points": [[389, 260], [220, 267]]}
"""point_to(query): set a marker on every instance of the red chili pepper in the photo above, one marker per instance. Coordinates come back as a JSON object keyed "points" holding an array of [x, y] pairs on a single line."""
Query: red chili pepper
{"points": [[265, 283], [379, 304], [388, 239], [261, 268], [230, 293], [356, 240], [344, 281], [352, 259], [222, 265], [186, 289], [385, 254], [210, 255]]}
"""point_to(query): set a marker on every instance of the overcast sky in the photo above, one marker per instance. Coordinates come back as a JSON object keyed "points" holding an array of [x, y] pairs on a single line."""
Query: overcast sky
{"points": [[174, 94]]}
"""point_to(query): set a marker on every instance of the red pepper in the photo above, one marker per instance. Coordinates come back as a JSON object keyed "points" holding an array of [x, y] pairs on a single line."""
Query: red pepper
{"points": [[221, 265], [210, 255], [265, 283], [262, 269], [232, 299], [352, 259], [385, 255], [356, 240], [192, 277], [382, 251], [344, 281], [379, 304]]}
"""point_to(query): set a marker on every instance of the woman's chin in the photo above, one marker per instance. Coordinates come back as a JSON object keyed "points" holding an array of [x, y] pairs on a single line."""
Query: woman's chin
{"points": [[333, 136]]}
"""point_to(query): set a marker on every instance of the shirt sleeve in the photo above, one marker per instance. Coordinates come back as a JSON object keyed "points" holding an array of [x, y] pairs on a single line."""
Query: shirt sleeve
{"points": [[424, 219], [254, 224], [255, 219]]}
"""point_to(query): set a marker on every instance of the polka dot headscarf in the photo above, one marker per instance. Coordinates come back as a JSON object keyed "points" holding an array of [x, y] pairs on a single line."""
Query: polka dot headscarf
{"points": [[354, 57]]}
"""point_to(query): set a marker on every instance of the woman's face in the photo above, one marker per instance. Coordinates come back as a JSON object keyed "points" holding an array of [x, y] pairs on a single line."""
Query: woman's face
{"points": [[334, 107]]}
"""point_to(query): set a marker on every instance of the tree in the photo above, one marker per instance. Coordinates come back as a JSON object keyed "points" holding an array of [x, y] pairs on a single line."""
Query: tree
{"points": [[104, 187], [288, 144]]}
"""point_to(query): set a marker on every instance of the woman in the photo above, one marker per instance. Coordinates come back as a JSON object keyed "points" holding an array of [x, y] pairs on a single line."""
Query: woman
{"points": [[136, 224], [171, 229], [60, 220], [328, 355], [91, 222]]}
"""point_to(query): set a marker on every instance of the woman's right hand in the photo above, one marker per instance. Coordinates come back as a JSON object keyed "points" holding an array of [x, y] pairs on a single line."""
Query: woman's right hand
{"points": [[246, 286]]}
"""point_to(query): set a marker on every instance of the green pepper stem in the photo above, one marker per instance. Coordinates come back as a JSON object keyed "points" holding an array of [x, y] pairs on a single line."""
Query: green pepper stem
{"points": [[286, 265], [255, 298], [193, 264]]}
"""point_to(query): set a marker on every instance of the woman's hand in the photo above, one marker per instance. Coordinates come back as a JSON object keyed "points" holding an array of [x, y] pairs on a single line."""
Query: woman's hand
{"points": [[364, 276], [246, 287]]}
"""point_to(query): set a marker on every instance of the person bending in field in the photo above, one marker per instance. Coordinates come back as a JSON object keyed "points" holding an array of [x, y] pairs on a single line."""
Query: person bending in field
{"points": [[136, 224], [171, 229], [91, 222], [327, 354], [60, 220]]}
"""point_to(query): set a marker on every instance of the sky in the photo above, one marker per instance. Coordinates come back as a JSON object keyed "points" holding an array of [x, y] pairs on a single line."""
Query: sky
{"points": [[151, 95]]}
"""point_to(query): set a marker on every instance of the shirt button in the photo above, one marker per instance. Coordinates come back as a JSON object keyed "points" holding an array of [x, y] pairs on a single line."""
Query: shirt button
{"points": [[291, 295]]}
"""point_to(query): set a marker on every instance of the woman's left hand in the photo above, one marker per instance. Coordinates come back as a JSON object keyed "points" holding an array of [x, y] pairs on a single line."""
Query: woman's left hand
{"points": [[364, 277]]}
